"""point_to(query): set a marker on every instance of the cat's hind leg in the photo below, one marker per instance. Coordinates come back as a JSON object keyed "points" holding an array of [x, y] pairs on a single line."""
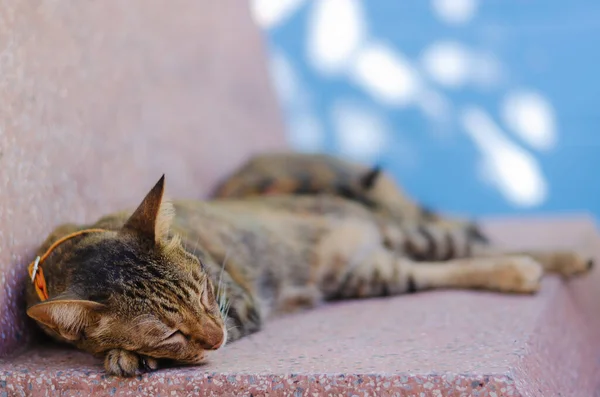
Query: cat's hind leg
{"points": [[354, 264], [562, 262], [440, 243], [510, 273]]}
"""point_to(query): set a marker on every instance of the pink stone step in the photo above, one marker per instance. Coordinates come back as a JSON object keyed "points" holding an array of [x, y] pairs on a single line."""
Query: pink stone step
{"points": [[444, 343]]}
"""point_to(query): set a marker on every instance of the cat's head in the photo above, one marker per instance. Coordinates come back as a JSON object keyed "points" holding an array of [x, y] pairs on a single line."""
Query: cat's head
{"points": [[135, 289]]}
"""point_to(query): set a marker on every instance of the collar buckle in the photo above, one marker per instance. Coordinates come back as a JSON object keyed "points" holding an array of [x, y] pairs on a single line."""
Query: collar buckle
{"points": [[36, 265]]}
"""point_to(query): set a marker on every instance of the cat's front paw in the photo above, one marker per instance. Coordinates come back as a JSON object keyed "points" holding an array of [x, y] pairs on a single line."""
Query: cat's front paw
{"points": [[125, 363], [518, 274]]}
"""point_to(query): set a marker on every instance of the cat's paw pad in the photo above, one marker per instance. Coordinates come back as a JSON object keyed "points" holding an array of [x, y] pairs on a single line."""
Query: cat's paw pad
{"points": [[125, 363], [520, 274]]}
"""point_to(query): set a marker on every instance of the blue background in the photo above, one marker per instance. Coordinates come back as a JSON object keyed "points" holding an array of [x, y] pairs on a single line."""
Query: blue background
{"points": [[549, 48]]}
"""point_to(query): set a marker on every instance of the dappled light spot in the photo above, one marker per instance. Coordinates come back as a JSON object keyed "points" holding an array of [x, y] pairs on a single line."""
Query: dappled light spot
{"points": [[336, 29], [361, 133], [447, 63], [385, 74], [304, 130], [454, 12], [284, 78], [434, 105], [531, 117], [514, 171], [305, 133], [485, 71], [268, 14]]}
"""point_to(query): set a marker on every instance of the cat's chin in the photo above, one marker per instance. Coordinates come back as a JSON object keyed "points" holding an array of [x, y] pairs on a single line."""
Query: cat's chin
{"points": [[199, 360], [170, 363]]}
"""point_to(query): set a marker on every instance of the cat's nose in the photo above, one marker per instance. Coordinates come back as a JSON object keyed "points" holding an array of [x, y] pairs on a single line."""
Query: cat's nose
{"points": [[213, 340], [221, 340], [219, 344], [211, 345]]}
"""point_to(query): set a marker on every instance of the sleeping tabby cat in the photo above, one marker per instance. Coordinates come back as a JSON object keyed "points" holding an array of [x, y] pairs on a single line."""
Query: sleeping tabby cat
{"points": [[173, 281]]}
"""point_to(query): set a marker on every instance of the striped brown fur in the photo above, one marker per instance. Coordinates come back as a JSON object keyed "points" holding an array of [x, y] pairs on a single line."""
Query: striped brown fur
{"points": [[427, 234], [161, 286]]}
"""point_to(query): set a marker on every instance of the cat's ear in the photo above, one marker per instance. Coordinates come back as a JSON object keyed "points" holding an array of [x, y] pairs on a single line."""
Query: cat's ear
{"points": [[367, 181], [152, 218], [66, 315]]}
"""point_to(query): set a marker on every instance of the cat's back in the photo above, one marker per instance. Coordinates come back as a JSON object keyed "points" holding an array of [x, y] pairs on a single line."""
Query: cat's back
{"points": [[270, 174], [267, 227], [296, 173], [268, 211]]}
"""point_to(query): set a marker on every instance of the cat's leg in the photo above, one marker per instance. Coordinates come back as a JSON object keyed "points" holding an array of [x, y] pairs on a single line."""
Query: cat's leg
{"points": [[565, 263], [431, 242], [466, 240], [386, 274], [510, 273], [125, 363], [353, 264]]}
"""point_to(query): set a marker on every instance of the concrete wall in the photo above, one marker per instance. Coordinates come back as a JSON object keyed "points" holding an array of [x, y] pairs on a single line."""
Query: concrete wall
{"points": [[98, 99]]}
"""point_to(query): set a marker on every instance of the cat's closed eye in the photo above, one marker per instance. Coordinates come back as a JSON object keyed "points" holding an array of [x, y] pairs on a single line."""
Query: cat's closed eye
{"points": [[176, 337]]}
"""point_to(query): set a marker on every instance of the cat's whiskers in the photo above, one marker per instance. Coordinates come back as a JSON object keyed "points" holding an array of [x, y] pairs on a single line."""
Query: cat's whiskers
{"points": [[195, 248], [222, 270], [223, 302], [221, 292], [227, 307]]}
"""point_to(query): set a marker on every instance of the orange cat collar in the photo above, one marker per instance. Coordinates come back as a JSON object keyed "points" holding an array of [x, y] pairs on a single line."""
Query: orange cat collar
{"points": [[35, 268]]}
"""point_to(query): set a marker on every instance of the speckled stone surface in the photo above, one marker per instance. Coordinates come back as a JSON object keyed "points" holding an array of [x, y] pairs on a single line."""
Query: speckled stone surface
{"points": [[99, 98], [444, 343]]}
